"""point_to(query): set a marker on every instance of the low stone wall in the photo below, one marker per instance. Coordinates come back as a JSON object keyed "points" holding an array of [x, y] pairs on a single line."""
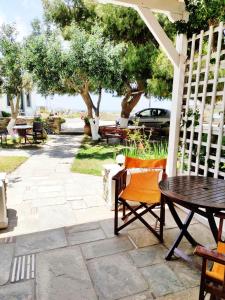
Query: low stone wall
{"points": [[53, 123]]}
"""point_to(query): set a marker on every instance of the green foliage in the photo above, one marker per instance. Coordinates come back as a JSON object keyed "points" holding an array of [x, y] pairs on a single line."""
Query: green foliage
{"points": [[63, 13], [95, 59], [202, 13], [44, 59], [139, 145], [5, 114], [64, 67], [160, 85], [11, 68], [118, 24]]}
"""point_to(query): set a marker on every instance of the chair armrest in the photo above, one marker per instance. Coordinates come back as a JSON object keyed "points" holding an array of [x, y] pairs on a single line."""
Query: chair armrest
{"points": [[120, 179], [210, 255], [119, 175]]}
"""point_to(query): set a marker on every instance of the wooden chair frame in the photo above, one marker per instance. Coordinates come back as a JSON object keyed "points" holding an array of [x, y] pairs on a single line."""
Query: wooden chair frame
{"points": [[120, 185], [208, 284]]}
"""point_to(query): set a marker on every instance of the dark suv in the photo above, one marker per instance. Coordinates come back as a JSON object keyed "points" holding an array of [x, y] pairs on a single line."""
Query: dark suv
{"points": [[151, 117]]}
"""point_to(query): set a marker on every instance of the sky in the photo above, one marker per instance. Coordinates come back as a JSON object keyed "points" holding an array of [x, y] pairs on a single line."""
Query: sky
{"points": [[22, 12]]}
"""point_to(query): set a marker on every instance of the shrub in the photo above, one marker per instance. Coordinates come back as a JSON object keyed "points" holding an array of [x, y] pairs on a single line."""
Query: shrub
{"points": [[5, 114]]}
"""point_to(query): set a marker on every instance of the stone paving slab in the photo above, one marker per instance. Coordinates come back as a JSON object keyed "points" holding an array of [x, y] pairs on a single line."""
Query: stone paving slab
{"points": [[148, 255], [142, 237], [75, 238], [6, 257], [77, 204], [55, 216], [18, 291], [48, 201], [62, 275], [142, 296], [106, 247], [188, 276], [83, 227], [92, 214], [40, 241], [115, 277], [162, 280], [108, 226], [190, 294]]}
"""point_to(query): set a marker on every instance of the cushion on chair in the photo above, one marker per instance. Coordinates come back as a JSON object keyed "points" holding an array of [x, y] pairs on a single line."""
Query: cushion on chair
{"points": [[143, 187], [131, 162], [217, 271]]}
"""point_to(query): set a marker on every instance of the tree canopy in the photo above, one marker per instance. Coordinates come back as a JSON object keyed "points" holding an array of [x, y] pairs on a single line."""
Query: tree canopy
{"points": [[202, 14], [119, 24], [13, 76]]}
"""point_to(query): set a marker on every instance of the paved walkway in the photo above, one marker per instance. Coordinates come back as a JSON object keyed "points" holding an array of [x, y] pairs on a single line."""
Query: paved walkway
{"points": [[60, 242]]}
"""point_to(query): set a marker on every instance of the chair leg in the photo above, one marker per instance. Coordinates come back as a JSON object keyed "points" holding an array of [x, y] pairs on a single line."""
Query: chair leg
{"points": [[162, 218], [202, 283], [116, 217]]}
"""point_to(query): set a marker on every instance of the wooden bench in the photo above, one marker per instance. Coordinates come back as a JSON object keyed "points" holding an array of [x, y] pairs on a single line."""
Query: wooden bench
{"points": [[109, 132]]}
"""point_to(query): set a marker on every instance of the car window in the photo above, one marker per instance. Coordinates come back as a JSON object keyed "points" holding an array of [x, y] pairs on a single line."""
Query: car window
{"points": [[145, 113], [154, 112], [161, 112]]}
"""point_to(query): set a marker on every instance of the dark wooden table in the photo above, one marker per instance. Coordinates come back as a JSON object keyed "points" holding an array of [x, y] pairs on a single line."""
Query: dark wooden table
{"points": [[22, 131], [202, 195]]}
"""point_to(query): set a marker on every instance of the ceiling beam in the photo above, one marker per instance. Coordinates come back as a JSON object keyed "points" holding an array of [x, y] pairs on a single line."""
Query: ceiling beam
{"points": [[159, 34], [174, 9]]}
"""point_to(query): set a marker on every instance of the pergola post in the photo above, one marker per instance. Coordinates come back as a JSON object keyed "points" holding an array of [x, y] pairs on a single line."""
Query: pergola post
{"points": [[178, 85]]}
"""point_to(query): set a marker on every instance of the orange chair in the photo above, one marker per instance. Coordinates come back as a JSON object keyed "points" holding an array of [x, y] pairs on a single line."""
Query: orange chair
{"points": [[142, 188], [212, 281]]}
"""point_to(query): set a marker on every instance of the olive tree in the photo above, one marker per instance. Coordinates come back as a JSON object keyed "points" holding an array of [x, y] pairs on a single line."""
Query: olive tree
{"points": [[13, 77], [87, 63]]}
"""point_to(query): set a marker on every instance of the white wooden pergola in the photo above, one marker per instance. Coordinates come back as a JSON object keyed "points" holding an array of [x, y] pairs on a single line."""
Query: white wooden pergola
{"points": [[175, 10]]}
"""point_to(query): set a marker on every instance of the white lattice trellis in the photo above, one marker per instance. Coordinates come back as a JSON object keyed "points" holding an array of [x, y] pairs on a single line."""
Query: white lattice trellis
{"points": [[202, 134]]}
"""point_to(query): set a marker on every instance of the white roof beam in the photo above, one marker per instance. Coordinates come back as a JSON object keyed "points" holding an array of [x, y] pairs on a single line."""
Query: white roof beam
{"points": [[174, 9], [159, 34]]}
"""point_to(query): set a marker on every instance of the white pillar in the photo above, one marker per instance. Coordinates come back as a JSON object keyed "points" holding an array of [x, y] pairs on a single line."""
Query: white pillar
{"points": [[178, 84], [3, 208]]}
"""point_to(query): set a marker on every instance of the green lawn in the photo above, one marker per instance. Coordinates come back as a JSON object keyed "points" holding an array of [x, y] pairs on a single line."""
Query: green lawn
{"points": [[91, 157], [10, 163]]}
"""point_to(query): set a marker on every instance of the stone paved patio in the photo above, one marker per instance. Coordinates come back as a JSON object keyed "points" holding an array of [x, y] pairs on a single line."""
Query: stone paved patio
{"points": [[60, 242]]}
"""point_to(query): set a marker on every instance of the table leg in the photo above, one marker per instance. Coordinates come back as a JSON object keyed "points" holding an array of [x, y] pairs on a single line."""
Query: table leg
{"points": [[212, 224], [182, 225], [183, 230]]}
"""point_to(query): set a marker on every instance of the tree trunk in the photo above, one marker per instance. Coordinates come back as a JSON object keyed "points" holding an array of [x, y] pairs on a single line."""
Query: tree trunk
{"points": [[94, 123], [14, 114], [128, 103]]}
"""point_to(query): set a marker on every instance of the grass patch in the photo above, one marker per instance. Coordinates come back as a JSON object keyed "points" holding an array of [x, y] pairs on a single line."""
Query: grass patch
{"points": [[10, 163], [16, 144], [92, 156]]}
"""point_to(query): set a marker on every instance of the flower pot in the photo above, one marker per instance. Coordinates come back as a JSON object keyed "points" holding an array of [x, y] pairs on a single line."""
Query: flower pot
{"points": [[87, 130]]}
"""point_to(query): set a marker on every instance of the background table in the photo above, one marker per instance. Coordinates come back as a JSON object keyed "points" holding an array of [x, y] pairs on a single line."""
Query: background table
{"points": [[22, 130], [202, 195]]}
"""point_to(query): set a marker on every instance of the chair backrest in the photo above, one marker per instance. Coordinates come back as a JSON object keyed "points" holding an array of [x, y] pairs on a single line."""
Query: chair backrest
{"points": [[37, 126], [131, 162]]}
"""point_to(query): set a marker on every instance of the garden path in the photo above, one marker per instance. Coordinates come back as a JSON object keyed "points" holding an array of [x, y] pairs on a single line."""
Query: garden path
{"points": [[44, 194]]}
